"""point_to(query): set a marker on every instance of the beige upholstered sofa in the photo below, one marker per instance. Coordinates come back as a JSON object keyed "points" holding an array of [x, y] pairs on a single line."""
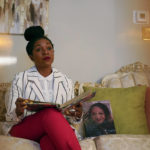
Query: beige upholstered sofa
{"points": [[132, 75]]}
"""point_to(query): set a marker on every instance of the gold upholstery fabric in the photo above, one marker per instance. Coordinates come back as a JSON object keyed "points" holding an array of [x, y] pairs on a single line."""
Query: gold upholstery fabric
{"points": [[3, 89]]}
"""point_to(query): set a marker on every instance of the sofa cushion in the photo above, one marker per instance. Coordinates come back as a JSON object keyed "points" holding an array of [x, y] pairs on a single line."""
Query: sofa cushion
{"points": [[88, 144], [128, 108], [123, 142], [13, 143]]}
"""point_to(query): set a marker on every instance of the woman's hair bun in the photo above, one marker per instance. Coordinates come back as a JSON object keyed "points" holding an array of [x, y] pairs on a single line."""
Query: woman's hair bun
{"points": [[33, 32]]}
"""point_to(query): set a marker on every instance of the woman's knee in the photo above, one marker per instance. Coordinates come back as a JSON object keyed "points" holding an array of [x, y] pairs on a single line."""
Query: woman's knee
{"points": [[51, 114]]}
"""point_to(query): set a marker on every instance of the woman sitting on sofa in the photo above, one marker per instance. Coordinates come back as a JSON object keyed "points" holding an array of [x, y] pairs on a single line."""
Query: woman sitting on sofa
{"points": [[42, 83]]}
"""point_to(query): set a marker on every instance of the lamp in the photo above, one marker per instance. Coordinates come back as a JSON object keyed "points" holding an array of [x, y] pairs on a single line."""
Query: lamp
{"points": [[146, 33], [8, 60]]}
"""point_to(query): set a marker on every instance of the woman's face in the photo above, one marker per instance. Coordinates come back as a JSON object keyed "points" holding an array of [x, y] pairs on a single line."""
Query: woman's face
{"points": [[97, 115], [43, 53]]}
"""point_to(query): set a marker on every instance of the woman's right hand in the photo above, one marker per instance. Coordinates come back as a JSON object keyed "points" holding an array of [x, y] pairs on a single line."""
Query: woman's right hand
{"points": [[20, 106], [74, 111]]}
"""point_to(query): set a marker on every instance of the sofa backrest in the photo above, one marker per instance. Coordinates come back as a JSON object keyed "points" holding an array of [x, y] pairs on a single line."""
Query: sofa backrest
{"points": [[127, 76]]}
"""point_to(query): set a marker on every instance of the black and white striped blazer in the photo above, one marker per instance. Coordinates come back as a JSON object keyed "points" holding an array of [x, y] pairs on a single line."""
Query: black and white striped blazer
{"points": [[26, 85]]}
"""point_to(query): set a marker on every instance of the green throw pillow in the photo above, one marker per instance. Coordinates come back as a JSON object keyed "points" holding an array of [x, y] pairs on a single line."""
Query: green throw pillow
{"points": [[127, 107]]}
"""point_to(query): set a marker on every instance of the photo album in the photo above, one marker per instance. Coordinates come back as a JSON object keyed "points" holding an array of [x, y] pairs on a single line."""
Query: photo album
{"points": [[37, 105], [98, 118]]}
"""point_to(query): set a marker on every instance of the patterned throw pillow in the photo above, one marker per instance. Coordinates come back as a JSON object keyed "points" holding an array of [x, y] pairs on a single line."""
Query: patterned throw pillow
{"points": [[3, 89]]}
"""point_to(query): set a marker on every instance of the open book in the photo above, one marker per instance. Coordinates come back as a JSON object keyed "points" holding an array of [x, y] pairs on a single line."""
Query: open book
{"points": [[37, 105]]}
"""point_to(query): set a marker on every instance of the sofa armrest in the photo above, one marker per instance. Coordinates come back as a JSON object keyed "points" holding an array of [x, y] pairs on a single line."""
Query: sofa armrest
{"points": [[123, 142]]}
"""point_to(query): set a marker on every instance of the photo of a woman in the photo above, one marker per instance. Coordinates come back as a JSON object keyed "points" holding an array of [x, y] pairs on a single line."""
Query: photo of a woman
{"points": [[98, 120]]}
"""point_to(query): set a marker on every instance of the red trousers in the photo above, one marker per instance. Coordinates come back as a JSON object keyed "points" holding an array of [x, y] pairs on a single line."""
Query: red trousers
{"points": [[50, 128]]}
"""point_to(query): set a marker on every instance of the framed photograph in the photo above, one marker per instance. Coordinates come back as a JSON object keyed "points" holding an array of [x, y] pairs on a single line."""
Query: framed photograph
{"points": [[17, 15], [97, 118], [141, 17]]}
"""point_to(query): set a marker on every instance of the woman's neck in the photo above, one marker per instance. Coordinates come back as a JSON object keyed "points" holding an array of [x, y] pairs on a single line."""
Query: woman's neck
{"points": [[45, 71]]}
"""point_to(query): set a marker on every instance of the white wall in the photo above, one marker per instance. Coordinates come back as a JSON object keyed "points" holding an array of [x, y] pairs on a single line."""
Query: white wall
{"points": [[92, 38]]}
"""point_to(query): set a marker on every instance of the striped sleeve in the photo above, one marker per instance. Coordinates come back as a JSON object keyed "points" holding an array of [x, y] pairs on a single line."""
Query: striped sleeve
{"points": [[70, 87]]}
